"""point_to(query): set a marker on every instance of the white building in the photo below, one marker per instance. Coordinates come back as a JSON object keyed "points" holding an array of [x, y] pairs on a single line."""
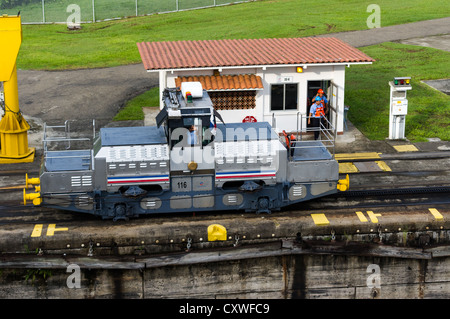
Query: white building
{"points": [[271, 80]]}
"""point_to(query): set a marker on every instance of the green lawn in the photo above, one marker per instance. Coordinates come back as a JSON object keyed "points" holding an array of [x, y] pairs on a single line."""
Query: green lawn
{"points": [[133, 108], [113, 43], [367, 91]]}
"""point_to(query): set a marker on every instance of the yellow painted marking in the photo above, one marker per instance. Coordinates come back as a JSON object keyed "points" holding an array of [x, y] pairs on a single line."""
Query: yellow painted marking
{"points": [[383, 166], [52, 228], [356, 156], [346, 168], [37, 230], [405, 148], [436, 214], [373, 217], [361, 217], [320, 219]]}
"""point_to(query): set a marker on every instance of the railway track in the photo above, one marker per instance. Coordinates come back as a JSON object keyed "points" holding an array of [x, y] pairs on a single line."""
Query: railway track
{"points": [[12, 212], [425, 183], [68, 232]]}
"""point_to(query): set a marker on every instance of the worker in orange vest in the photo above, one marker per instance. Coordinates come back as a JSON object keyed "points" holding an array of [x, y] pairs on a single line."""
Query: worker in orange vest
{"points": [[324, 100], [316, 113]]}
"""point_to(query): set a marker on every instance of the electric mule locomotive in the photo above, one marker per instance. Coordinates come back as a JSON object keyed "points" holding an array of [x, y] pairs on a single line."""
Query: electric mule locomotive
{"points": [[190, 161]]}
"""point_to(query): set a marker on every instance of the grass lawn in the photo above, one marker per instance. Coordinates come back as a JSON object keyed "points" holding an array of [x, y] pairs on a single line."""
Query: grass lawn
{"points": [[133, 108], [113, 43], [367, 91]]}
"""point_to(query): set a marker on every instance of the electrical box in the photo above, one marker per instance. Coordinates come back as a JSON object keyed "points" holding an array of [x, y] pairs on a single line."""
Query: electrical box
{"points": [[400, 107]]}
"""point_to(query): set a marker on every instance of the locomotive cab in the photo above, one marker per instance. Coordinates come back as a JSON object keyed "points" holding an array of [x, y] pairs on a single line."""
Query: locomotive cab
{"points": [[187, 117]]}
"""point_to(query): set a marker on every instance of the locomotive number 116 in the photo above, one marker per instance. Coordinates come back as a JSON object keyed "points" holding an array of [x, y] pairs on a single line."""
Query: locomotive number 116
{"points": [[182, 185]]}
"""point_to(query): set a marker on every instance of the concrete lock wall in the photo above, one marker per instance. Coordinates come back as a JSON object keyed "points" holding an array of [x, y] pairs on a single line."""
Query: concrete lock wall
{"points": [[287, 276]]}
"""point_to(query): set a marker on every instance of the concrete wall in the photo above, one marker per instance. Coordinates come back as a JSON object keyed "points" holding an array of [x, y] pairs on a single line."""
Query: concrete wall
{"points": [[288, 276]]}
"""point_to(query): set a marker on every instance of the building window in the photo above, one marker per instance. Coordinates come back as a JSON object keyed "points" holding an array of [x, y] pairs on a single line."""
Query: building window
{"points": [[283, 97], [233, 100]]}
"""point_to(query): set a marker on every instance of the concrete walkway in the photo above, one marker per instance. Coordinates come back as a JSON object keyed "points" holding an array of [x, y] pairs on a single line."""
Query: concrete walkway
{"points": [[401, 32], [441, 42]]}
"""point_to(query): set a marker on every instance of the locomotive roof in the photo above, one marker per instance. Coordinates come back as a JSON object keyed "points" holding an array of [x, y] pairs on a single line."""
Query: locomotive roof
{"points": [[248, 131], [139, 135]]}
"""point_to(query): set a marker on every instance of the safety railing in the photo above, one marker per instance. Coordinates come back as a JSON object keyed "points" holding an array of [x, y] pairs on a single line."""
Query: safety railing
{"points": [[62, 143], [327, 134]]}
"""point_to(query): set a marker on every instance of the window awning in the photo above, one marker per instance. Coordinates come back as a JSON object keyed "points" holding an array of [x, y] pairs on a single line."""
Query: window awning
{"points": [[225, 82]]}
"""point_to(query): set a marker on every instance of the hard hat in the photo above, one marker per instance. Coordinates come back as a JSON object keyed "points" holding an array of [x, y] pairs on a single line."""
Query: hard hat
{"points": [[317, 98], [320, 91]]}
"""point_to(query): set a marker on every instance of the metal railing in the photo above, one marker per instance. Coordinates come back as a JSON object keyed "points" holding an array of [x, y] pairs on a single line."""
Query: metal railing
{"points": [[327, 134], [100, 10], [56, 152]]}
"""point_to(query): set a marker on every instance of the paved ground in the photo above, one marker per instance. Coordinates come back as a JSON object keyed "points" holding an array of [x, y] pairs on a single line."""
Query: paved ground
{"points": [[54, 96], [95, 93], [402, 32], [441, 42]]}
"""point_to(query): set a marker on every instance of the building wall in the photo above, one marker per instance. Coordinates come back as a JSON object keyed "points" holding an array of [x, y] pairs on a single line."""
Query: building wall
{"points": [[286, 119]]}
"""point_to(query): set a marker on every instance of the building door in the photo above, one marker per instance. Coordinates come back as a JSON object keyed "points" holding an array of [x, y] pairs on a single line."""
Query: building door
{"points": [[333, 103], [313, 87]]}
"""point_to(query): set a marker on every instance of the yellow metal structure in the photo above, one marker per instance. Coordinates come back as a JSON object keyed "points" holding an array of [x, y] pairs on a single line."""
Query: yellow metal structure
{"points": [[217, 232], [344, 184], [34, 197], [13, 127], [31, 181]]}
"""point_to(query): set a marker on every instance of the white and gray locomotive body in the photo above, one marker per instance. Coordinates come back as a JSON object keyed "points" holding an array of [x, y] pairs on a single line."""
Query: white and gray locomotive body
{"points": [[188, 162]]}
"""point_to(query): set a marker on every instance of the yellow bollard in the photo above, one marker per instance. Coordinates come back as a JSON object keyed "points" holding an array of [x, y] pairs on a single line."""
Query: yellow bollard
{"points": [[13, 127], [34, 197], [217, 232], [31, 181]]}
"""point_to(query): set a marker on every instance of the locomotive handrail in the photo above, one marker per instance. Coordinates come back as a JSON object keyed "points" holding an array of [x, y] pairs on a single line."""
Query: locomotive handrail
{"points": [[327, 133], [61, 139], [69, 156], [64, 154], [66, 137]]}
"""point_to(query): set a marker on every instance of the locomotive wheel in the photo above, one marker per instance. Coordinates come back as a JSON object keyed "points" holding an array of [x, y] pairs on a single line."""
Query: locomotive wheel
{"points": [[120, 212], [263, 205]]}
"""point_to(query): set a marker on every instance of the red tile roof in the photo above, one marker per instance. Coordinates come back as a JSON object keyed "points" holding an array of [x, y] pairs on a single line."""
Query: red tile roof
{"points": [[223, 53], [225, 82]]}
